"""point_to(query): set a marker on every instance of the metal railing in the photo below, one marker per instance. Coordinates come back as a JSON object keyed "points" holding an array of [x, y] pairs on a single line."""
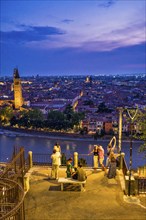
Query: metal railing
{"points": [[142, 180], [85, 159], [141, 185], [17, 167], [45, 159], [12, 186], [11, 200], [125, 167]]}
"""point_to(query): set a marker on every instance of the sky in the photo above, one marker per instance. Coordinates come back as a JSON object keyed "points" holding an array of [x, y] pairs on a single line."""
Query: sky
{"points": [[72, 37]]}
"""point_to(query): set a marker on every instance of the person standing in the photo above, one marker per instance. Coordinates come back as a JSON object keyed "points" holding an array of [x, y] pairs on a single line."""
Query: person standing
{"points": [[95, 156], [55, 165], [101, 156], [110, 148], [58, 151], [112, 165]]}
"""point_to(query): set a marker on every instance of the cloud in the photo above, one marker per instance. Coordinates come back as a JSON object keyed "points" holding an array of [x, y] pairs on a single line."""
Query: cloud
{"points": [[107, 3], [107, 40], [46, 37], [30, 33], [67, 21]]}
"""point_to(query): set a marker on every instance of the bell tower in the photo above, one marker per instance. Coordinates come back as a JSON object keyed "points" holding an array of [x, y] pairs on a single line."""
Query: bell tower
{"points": [[18, 100]]}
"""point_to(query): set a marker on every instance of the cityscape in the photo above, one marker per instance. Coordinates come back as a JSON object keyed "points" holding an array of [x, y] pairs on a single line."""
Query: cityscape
{"points": [[72, 109], [97, 97]]}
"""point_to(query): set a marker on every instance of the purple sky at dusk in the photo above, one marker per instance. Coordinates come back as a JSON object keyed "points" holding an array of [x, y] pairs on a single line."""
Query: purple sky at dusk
{"points": [[72, 37]]}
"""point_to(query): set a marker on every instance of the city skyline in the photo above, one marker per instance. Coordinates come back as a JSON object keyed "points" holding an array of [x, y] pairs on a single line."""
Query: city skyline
{"points": [[73, 37]]}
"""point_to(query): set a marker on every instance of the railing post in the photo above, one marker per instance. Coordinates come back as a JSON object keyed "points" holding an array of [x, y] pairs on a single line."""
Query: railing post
{"points": [[30, 159], [136, 177], [120, 128], [75, 159], [26, 182], [121, 160]]}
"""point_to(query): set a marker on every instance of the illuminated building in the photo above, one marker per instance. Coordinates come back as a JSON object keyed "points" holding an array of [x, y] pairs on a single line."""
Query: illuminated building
{"points": [[18, 99]]}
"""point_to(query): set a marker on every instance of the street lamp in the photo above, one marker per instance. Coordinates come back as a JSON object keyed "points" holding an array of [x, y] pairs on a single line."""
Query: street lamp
{"points": [[132, 114], [121, 109]]}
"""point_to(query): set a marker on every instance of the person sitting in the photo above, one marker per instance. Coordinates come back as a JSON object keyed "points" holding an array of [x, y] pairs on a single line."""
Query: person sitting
{"points": [[69, 167], [74, 173], [81, 173]]}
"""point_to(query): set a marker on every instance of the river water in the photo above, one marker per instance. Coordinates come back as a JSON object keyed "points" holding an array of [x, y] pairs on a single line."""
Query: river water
{"points": [[39, 144]]}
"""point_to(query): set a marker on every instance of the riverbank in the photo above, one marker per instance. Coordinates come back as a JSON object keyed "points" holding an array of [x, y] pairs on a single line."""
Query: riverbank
{"points": [[10, 131]]}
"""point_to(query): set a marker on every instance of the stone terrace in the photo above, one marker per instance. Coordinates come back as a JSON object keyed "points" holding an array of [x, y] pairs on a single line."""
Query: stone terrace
{"points": [[103, 198]]}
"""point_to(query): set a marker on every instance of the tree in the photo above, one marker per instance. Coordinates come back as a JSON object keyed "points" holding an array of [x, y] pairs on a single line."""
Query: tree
{"points": [[6, 114], [56, 120], [141, 120], [68, 112], [33, 117], [35, 114], [13, 121]]}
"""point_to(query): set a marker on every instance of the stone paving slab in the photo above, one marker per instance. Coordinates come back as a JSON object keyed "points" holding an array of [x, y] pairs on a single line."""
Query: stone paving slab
{"points": [[103, 199]]}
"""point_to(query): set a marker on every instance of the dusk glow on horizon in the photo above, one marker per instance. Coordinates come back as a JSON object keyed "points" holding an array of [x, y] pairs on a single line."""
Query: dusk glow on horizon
{"points": [[73, 37]]}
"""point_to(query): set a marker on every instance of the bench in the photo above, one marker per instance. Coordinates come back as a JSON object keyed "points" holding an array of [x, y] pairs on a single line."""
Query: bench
{"points": [[63, 180]]}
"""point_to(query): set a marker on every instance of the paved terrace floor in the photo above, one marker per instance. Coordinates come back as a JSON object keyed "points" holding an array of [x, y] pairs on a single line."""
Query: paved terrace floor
{"points": [[103, 199]]}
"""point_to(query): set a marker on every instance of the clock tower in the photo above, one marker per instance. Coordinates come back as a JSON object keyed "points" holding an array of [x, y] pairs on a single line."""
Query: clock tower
{"points": [[18, 100]]}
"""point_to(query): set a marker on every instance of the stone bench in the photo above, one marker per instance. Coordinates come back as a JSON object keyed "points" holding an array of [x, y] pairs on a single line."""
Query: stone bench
{"points": [[63, 180]]}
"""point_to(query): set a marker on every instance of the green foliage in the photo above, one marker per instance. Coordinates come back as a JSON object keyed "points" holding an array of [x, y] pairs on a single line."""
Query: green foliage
{"points": [[35, 114], [64, 120], [6, 114], [57, 120], [69, 112], [33, 118], [141, 121]]}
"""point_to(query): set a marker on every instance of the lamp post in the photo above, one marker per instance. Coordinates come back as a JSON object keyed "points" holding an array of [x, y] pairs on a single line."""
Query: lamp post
{"points": [[131, 116], [120, 127]]}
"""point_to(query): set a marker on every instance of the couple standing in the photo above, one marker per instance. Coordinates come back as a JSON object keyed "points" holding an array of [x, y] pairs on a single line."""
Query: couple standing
{"points": [[98, 153]]}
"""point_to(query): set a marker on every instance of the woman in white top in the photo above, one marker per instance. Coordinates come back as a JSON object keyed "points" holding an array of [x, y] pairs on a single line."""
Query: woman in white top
{"points": [[58, 151]]}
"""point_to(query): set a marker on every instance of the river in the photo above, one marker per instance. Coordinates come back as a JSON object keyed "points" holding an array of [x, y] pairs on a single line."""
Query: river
{"points": [[40, 144]]}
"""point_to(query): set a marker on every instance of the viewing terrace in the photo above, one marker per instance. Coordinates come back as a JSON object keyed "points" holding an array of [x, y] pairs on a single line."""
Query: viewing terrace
{"points": [[103, 198]]}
